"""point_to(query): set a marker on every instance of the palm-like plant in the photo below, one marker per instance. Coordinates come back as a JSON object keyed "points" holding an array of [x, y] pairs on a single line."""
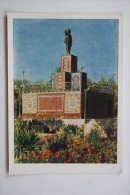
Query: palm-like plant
{"points": [[25, 140]]}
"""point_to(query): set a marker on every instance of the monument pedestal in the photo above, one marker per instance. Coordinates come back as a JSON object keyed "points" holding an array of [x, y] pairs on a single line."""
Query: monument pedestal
{"points": [[62, 80], [69, 63], [78, 81]]}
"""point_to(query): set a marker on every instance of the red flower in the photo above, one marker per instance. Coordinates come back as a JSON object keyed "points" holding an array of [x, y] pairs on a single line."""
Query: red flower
{"points": [[47, 153], [28, 156], [101, 158], [33, 154], [39, 156], [76, 152], [90, 150], [104, 138]]}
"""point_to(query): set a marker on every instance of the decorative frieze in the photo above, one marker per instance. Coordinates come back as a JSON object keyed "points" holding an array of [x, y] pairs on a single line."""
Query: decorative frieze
{"points": [[72, 102], [51, 102], [78, 81], [62, 81]]}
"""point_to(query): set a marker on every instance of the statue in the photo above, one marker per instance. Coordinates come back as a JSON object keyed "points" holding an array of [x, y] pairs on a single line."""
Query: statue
{"points": [[68, 40]]}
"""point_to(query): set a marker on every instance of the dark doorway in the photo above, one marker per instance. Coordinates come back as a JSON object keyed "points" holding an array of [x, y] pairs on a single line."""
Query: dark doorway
{"points": [[110, 114]]}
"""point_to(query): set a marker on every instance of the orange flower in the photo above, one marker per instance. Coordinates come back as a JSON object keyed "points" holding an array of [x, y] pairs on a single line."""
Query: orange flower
{"points": [[57, 154], [33, 153], [70, 150], [47, 153], [101, 158], [39, 156], [76, 152], [90, 149], [28, 156], [22, 156]]}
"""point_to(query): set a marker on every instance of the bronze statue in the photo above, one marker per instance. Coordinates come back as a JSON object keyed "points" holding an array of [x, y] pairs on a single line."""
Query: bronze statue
{"points": [[68, 40]]}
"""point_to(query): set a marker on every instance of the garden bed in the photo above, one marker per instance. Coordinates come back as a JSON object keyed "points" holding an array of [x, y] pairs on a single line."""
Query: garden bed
{"points": [[70, 144]]}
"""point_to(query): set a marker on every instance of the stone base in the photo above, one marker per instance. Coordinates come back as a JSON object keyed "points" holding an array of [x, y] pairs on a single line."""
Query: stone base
{"points": [[63, 105], [69, 63], [62, 81]]}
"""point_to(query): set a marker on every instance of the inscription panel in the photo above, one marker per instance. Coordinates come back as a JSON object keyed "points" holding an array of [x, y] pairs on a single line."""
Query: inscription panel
{"points": [[59, 81], [66, 65], [29, 103], [76, 81], [72, 102], [51, 103]]}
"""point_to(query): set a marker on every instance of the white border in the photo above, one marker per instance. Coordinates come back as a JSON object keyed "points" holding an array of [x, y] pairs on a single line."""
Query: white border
{"points": [[61, 168]]}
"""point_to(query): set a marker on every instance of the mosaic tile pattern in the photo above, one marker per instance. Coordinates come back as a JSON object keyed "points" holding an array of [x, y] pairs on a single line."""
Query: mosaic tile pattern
{"points": [[69, 63], [50, 102], [62, 80], [72, 102], [29, 103]]}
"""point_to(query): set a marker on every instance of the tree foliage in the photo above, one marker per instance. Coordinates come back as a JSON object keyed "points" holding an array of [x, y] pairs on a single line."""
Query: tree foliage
{"points": [[89, 82], [25, 139]]}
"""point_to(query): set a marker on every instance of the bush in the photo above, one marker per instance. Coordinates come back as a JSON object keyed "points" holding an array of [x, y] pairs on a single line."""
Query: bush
{"points": [[25, 139], [70, 129], [57, 142], [94, 137], [65, 146], [46, 126]]}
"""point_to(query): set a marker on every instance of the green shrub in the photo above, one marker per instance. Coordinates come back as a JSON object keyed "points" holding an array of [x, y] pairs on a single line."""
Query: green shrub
{"points": [[95, 138], [57, 142], [25, 139], [70, 129], [46, 126], [65, 146]]}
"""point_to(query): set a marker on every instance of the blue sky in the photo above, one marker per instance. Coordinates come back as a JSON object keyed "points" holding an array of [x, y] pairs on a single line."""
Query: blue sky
{"points": [[39, 45]]}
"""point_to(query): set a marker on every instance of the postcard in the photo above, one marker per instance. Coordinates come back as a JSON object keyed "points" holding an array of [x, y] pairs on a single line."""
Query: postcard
{"points": [[64, 93]]}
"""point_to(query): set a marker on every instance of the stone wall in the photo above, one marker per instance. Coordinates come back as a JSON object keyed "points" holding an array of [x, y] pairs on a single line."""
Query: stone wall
{"points": [[29, 103], [72, 102], [51, 105], [50, 102]]}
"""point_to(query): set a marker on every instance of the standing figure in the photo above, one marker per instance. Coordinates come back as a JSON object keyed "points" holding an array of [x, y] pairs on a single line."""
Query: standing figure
{"points": [[68, 40]]}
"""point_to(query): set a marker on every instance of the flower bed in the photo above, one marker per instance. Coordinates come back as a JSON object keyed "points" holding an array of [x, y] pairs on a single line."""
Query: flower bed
{"points": [[70, 146]]}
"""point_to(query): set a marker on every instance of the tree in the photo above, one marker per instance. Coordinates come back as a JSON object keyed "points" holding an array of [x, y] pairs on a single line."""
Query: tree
{"points": [[18, 85], [58, 69], [89, 82], [17, 90], [103, 81]]}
